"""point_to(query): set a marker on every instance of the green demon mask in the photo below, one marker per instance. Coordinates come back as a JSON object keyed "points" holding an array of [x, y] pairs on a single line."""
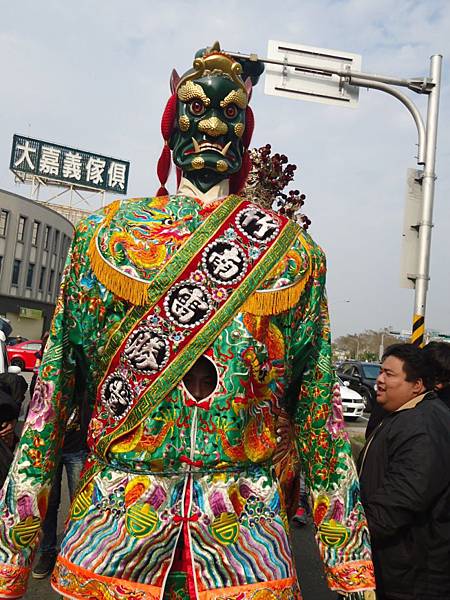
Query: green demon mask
{"points": [[211, 107]]}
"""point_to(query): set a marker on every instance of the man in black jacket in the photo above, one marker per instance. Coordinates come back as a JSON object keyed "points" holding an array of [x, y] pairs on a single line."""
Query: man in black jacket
{"points": [[405, 481]]}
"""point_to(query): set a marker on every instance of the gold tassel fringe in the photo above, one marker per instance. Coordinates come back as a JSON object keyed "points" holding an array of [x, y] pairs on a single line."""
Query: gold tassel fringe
{"points": [[120, 284], [273, 302], [260, 303]]}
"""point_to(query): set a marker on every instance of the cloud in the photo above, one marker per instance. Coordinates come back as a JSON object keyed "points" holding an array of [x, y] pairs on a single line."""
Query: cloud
{"points": [[95, 75]]}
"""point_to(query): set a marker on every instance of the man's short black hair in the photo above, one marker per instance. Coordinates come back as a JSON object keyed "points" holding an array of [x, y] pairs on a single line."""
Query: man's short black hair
{"points": [[438, 353], [416, 363]]}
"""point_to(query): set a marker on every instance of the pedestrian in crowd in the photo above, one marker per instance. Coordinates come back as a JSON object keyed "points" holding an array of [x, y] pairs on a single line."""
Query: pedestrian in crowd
{"points": [[9, 412], [439, 356], [72, 459], [38, 355], [12, 395], [405, 481], [15, 387]]}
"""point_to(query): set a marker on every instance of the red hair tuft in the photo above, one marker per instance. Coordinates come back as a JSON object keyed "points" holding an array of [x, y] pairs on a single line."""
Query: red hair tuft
{"points": [[163, 169], [167, 126], [169, 116], [249, 127]]}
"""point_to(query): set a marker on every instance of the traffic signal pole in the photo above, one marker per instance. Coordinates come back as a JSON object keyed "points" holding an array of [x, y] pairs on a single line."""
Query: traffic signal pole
{"points": [[426, 221], [426, 157]]}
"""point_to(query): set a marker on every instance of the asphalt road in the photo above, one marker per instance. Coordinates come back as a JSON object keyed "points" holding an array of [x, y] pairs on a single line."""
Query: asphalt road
{"points": [[308, 563]]}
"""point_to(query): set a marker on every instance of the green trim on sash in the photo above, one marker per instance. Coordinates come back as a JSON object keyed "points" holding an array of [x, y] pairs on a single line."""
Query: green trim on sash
{"points": [[176, 370], [170, 272]]}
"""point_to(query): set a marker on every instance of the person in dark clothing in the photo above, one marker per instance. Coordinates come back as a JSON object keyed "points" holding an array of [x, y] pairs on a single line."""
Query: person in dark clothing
{"points": [[14, 385], [9, 412], [12, 395], [377, 414], [38, 355], [405, 481], [439, 355], [72, 459], [73, 456]]}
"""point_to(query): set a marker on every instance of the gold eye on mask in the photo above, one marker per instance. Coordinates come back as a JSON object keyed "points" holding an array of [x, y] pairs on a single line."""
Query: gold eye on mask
{"points": [[196, 107]]}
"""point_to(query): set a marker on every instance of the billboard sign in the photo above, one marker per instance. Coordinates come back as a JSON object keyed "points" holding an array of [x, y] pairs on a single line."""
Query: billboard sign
{"points": [[61, 164]]}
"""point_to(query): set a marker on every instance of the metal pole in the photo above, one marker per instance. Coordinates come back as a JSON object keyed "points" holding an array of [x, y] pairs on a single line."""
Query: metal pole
{"points": [[426, 221], [381, 348], [409, 105], [416, 84]]}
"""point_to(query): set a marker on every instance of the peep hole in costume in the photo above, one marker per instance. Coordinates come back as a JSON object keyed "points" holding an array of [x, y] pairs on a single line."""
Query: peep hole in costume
{"points": [[201, 380]]}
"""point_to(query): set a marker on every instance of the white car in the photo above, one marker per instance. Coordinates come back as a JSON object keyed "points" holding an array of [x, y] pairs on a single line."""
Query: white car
{"points": [[352, 402]]}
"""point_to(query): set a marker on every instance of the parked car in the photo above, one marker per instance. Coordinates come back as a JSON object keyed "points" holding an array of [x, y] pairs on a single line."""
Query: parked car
{"points": [[352, 402], [362, 378], [23, 355], [5, 367], [12, 341]]}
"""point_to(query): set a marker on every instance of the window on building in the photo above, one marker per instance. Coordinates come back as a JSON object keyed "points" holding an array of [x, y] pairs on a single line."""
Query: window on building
{"points": [[4, 214], [1, 263], [35, 234], [55, 240], [16, 271], [21, 228], [42, 278], [47, 236], [30, 275], [51, 280]]}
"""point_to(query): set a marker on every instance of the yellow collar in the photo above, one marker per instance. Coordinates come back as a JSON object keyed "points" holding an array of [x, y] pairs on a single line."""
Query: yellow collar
{"points": [[412, 403]]}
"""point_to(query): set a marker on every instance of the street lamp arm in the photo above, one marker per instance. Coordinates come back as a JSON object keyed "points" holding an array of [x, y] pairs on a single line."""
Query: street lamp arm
{"points": [[377, 85], [420, 85]]}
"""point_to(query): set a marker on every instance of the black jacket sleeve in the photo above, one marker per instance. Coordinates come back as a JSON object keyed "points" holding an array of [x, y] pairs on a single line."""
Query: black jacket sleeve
{"points": [[418, 472]]}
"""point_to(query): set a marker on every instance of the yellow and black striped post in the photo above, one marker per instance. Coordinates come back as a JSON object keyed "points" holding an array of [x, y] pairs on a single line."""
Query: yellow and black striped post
{"points": [[418, 330]]}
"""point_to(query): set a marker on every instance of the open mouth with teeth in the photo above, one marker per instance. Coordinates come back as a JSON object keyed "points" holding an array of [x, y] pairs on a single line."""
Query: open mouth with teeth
{"points": [[205, 146]]}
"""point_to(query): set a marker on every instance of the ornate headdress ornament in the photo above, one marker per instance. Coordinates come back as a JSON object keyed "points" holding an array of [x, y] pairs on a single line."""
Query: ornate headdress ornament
{"points": [[214, 62]]}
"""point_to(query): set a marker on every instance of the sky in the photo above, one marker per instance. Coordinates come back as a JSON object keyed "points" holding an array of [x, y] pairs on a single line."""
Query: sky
{"points": [[94, 75]]}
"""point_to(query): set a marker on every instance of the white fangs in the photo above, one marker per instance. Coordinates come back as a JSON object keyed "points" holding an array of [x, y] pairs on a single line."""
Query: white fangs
{"points": [[196, 146], [225, 148], [210, 146]]}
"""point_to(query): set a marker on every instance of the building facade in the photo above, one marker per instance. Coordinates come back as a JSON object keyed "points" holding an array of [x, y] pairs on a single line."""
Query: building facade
{"points": [[34, 241]]}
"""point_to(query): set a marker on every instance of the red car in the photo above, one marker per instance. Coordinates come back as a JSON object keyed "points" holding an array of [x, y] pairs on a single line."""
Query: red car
{"points": [[23, 355]]}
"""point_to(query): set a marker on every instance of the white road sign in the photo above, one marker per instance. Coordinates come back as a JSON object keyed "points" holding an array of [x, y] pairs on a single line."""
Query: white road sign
{"points": [[305, 79]]}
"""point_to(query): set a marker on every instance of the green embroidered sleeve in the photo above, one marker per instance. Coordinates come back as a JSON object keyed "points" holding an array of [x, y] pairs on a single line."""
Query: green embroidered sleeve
{"points": [[324, 447], [24, 497]]}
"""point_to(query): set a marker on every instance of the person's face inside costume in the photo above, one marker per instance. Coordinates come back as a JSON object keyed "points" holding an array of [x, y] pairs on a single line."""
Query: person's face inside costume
{"points": [[207, 144], [393, 389], [201, 379]]}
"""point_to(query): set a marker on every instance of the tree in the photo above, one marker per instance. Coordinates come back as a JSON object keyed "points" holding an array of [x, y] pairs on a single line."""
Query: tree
{"points": [[363, 346]]}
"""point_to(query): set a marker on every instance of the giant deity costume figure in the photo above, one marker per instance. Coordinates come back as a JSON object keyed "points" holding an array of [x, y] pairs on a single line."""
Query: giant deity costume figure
{"points": [[192, 321]]}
